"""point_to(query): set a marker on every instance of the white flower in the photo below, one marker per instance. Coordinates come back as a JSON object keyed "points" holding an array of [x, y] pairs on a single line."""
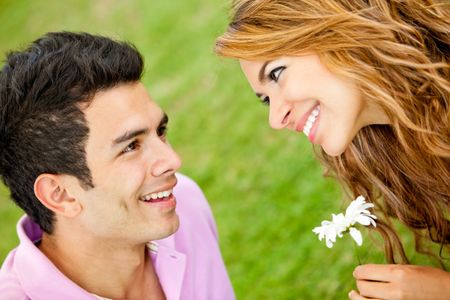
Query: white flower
{"points": [[340, 223], [356, 212], [327, 230]]}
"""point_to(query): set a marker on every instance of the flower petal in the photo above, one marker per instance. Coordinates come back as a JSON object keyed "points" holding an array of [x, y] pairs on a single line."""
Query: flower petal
{"points": [[329, 244], [356, 235], [340, 223], [363, 220], [360, 198]]}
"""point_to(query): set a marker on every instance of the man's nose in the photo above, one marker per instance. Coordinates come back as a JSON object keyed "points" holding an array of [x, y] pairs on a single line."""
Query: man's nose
{"points": [[166, 160], [279, 111]]}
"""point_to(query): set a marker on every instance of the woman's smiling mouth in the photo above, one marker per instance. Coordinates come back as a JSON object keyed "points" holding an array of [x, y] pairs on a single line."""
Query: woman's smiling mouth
{"points": [[308, 120], [313, 116]]}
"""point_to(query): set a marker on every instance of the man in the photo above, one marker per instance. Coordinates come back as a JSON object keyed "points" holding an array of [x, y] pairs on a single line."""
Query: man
{"points": [[84, 153]]}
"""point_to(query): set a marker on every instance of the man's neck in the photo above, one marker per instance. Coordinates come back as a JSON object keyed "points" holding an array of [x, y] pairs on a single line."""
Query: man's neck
{"points": [[104, 268]]}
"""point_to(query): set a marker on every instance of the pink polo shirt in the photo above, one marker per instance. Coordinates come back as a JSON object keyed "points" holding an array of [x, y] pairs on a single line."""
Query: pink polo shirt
{"points": [[188, 263]]}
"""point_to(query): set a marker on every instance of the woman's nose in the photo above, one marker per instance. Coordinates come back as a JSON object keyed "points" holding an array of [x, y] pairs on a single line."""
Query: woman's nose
{"points": [[279, 111]]}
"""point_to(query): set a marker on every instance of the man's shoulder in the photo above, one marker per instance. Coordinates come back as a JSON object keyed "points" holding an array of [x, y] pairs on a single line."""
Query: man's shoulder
{"points": [[187, 186], [10, 287], [192, 203]]}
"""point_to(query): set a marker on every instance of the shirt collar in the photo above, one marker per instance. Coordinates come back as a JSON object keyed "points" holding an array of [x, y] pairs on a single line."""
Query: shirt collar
{"points": [[170, 265], [39, 276]]}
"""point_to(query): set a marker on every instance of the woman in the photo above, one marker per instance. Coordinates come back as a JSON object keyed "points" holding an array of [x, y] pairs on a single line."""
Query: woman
{"points": [[367, 81]]}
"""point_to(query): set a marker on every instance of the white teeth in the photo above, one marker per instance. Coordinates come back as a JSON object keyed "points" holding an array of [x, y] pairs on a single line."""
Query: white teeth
{"points": [[311, 120], [154, 196]]}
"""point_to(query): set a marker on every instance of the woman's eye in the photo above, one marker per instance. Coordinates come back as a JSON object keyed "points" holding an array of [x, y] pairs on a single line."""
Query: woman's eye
{"points": [[265, 100], [131, 147], [276, 73]]}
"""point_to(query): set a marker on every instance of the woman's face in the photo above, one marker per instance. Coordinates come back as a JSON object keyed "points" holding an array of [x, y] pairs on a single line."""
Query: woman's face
{"points": [[304, 96]]}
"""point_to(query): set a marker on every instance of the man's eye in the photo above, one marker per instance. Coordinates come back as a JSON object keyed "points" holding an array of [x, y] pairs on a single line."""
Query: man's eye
{"points": [[131, 147], [276, 73], [162, 131]]}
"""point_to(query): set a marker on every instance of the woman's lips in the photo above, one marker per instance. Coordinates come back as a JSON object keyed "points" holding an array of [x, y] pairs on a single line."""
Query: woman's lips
{"points": [[311, 133], [302, 121]]}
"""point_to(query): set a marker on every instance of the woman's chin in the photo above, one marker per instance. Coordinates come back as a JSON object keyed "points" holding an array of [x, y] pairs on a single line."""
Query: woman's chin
{"points": [[334, 149]]}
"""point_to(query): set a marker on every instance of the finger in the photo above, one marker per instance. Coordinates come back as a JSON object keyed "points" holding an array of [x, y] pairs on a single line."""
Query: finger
{"points": [[374, 272], [353, 295], [374, 289]]}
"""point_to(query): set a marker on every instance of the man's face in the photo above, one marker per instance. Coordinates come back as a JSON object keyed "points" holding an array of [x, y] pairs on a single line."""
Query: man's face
{"points": [[131, 162]]}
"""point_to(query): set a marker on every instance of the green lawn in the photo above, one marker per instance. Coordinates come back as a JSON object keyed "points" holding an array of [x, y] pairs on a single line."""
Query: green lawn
{"points": [[266, 190]]}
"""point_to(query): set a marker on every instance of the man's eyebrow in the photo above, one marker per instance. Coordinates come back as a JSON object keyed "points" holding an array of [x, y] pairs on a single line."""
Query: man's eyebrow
{"points": [[129, 135], [262, 72], [134, 133]]}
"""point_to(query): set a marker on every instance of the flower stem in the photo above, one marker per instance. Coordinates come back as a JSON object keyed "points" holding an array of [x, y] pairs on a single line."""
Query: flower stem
{"points": [[355, 247]]}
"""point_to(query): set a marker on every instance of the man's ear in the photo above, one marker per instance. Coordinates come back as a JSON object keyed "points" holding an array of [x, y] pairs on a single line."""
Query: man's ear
{"points": [[52, 193]]}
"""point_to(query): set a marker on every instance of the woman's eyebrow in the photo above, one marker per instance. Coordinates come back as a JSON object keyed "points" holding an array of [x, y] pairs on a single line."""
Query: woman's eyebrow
{"points": [[262, 72]]}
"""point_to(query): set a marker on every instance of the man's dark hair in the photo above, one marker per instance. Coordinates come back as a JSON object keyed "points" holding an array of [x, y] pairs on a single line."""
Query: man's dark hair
{"points": [[42, 126]]}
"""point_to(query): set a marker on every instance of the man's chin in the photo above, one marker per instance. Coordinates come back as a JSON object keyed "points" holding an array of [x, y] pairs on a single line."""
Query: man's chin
{"points": [[175, 226], [170, 228]]}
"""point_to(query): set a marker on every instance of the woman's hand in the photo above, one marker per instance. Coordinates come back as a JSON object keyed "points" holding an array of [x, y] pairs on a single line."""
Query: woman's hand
{"points": [[392, 282]]}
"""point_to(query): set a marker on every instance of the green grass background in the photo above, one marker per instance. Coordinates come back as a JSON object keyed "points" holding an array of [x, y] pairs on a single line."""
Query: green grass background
{"points": [[266, 190]]}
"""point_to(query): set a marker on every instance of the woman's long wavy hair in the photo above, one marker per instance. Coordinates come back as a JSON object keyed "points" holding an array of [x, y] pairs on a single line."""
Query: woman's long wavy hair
{"points": [[398, 53]]}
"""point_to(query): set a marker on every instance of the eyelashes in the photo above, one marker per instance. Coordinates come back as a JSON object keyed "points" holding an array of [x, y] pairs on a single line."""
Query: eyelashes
{"points": [[265, 100], [275, 74], [162, 131], [136, 144]]}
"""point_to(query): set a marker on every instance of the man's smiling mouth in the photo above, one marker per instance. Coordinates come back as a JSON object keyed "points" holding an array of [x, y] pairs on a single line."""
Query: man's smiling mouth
{"points": [[156, 197]]}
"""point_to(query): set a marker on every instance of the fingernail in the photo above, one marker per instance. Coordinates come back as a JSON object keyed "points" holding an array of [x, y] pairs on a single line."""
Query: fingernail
{"points": [[350, 294]]}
